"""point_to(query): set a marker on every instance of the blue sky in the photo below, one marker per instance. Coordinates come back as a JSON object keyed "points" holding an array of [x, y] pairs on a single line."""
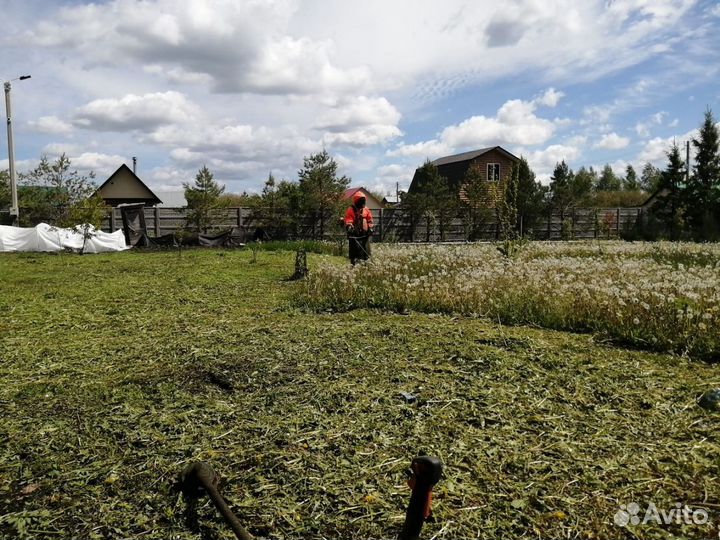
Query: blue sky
{"points": [[251, 87]]}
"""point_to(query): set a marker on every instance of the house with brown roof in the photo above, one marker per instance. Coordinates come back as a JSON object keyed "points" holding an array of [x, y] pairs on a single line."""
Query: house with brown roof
{"points": [[495, 163], [123, 186], [371, 201]]}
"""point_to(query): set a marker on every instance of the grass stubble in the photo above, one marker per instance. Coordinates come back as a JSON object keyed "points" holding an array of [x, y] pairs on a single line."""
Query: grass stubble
{"points": [[120, 369]]}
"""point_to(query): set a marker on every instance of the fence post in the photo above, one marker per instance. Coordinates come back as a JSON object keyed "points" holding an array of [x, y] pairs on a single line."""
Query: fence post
{"points": [[572, 223], [239, 217], [157, 221], [617, 219], [549, 235], [382, 230]]}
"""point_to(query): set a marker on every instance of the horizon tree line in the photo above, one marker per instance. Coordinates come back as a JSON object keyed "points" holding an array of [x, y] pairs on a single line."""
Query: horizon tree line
{"points": [[687, 204]]}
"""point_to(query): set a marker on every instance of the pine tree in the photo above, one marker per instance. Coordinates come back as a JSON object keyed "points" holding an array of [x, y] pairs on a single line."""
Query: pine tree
{"points": [[561, 189], [668, 208], [530, 197], [321, 188], [506, 210], [202, 198], [478, 201], [631, 180], [702, 194], [608, 181], [434, 198]]}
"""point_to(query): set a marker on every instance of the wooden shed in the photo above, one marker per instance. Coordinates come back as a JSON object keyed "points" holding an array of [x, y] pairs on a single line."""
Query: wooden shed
{"points": [[125, 187]]}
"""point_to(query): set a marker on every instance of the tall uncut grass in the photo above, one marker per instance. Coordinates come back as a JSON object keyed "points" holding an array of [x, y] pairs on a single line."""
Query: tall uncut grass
{"points": [[662, 296]]}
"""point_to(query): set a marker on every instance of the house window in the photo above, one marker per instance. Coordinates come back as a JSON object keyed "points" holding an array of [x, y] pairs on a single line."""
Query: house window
{"points": [[493, 172]]}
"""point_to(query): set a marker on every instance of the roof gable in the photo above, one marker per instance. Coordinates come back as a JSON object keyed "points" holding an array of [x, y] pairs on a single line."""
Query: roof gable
{"points": [[467, 156], [125, 184], [348, 193]]}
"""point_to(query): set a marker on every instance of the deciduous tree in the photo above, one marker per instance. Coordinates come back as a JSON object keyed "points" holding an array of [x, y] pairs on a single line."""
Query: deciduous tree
{"points": [[650, 178], [54, 193], [5, 198]]}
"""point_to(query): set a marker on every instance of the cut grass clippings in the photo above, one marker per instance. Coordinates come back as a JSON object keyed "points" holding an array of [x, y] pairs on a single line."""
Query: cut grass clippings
{"points": [[120, 369]]}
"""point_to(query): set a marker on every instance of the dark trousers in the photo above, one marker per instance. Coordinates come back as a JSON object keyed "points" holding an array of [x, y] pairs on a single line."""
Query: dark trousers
{"points": [[359, 248]]}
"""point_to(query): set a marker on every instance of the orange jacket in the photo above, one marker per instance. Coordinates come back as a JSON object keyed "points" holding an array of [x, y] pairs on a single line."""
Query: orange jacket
{"points": [[361, 220]]}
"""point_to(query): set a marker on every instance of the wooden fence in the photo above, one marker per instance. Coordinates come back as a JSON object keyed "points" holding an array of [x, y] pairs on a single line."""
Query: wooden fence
{"points": [[394, 225]]}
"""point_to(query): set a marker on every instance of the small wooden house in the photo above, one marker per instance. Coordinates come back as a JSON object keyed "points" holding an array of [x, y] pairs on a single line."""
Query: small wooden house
{"points": [[495, 163], [125, 187]]}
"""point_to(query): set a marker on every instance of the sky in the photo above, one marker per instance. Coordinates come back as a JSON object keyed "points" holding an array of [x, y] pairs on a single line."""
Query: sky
{"points": [[250, 87]]}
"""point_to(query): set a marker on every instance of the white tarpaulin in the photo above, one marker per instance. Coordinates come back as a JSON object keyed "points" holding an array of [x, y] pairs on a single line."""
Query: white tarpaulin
{"points": [[45, 237]]}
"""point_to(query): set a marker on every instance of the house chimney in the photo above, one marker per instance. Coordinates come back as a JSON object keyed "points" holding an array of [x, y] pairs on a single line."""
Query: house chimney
{"points": [[134, 165]]}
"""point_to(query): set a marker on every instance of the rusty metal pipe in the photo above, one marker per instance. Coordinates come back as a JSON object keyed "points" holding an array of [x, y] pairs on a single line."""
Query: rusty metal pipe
{"points": [[199, 477]]}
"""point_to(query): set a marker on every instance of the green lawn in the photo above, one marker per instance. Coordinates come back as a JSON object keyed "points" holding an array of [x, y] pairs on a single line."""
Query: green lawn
{"points": [[119, 369]]}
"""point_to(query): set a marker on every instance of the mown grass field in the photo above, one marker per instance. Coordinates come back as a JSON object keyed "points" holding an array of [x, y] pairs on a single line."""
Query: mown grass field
{"points": [[118, 370]]}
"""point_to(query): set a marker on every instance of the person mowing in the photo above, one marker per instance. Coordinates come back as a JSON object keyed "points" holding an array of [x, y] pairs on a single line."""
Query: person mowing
{"points": [[359, 227]]}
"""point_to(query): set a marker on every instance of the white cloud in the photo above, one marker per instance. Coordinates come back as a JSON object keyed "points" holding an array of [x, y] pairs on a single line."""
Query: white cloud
{"points": [[576, 140], [102, 164], [364, 136], [300, 66], [643, 128], [427, 149], [84, 162], [395, 171], [514, 123], [550, 98], [234, 142], [233, 152], [257, 85], [51, 125], [619, 166], [21, 165], [319, 47], [133, 112], [655, 150], [360, 111], [542, 162], [360, 121], [220, 42], [612, 141], [57, 149]]}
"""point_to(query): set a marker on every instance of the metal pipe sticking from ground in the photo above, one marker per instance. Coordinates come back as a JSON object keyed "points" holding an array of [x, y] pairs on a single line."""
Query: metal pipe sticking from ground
{"points": [[425, 472], [199, 477]]}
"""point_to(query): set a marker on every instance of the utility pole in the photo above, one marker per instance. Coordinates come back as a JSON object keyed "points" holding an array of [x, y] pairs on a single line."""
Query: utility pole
{"points": [[14, 208], [687, 162]]}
